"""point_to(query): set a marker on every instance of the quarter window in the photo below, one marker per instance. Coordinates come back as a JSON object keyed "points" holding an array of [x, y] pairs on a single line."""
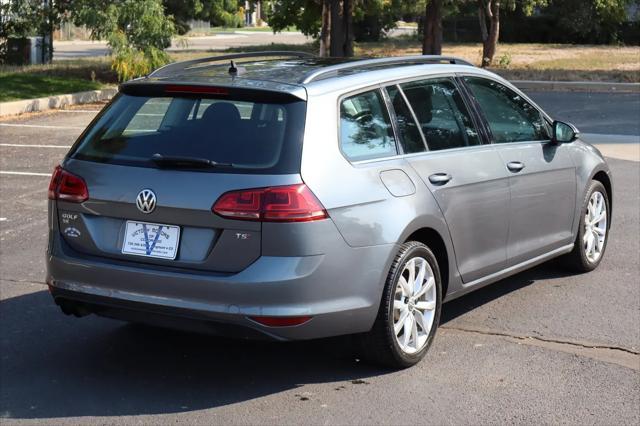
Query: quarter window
{"points": [[365, 127], [442, 114], [510, 117]]}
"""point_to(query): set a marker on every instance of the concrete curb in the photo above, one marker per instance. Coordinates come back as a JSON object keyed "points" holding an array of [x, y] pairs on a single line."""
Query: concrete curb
{"points": [[55, 102], [578, 86]]}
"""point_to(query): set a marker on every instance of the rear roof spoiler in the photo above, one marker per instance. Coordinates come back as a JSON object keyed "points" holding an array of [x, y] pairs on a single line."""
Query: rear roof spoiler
{"points": [[145, 87]]}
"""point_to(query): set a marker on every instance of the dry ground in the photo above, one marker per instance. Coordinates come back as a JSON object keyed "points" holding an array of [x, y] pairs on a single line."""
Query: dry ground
{"points": [[536, 61]]}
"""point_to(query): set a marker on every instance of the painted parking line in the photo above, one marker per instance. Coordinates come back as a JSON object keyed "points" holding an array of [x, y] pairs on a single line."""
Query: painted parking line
{"points": [[40, 126], [25, 145], [5, 172]]}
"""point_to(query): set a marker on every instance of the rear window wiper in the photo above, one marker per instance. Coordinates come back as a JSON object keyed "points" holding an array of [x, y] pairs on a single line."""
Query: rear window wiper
{"points": [[174, 161]]}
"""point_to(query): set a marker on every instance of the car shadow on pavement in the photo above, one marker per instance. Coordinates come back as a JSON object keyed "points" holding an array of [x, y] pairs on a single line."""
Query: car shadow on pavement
{"points": [[457, 307], [58, 366]]}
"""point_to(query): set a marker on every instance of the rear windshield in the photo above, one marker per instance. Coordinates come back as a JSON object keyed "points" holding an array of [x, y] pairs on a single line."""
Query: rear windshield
{"points": [[258, 136]]}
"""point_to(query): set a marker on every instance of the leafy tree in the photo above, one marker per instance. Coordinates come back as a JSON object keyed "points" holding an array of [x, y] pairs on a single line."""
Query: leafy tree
{"points": [[337, 22], [137, 31], [374, 18], [225, 13], [303, 14], [590, 20], [183, 11], [24, 18]]}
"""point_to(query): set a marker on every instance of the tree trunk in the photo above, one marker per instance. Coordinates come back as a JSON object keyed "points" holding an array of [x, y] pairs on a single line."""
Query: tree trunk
{"points": [[341, 28], [336, 37], [348, 27], [432, 41], [489, 10], [326, 26]]}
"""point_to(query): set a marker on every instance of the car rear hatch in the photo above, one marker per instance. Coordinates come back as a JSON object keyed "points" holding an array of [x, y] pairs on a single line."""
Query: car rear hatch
{"points": [[155, 161]]}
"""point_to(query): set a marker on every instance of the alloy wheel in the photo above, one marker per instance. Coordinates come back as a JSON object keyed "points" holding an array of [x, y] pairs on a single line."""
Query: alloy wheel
{"points": [[414, 305], [595, 227]]}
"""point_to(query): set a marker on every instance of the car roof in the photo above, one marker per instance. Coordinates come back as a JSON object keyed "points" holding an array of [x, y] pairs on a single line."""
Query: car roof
{"points": [[296, 73]]}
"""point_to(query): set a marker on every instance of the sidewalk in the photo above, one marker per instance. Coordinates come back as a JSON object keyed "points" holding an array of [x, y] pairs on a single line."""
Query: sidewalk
{"points": [[615, 146]]}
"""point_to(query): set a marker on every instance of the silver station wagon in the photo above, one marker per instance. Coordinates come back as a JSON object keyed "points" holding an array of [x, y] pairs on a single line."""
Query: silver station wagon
{"points": [[285, 196]]}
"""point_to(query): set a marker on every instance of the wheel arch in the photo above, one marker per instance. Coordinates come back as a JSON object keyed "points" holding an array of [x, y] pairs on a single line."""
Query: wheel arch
{"points": [[604, 178], [432, 239]]}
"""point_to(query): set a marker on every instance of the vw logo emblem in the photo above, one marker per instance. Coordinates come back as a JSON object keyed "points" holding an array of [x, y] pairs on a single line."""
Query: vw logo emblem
{"points": [[146, 201]]}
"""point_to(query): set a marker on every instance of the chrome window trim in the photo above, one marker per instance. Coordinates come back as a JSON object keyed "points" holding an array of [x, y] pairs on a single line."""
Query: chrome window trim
{"points": [[424, 153], [396, 82]]}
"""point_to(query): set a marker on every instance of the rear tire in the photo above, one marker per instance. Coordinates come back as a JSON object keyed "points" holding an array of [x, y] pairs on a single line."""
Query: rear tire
{"points": [[591, 241], [409, 313]]}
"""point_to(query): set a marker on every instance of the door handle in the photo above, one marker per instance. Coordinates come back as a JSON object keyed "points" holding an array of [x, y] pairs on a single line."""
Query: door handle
{"points": [[439, 178], [515, 166]]}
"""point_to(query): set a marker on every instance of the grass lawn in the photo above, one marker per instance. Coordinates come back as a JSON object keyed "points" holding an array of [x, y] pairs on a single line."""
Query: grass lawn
{"points": [[37, 81], [550, 62], [18, 86]]}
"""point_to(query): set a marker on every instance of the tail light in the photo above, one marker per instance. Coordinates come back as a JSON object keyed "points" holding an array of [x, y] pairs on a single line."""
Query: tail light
{"points": [[291, 203], [66, 186]]}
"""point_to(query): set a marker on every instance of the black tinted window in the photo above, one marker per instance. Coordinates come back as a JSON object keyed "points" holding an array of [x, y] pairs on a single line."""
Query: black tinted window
{"points": [[365, 127], [410, 137], [511, 118], [260, 136], [442, 114]]}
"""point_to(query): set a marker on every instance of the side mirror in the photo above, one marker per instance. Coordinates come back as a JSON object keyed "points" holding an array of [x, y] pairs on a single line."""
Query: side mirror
{"points": [[564, 132]]}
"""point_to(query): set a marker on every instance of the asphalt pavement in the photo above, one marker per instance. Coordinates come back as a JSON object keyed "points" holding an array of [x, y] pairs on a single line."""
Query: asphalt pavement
{"points": [[543, 346], [592, 112]]}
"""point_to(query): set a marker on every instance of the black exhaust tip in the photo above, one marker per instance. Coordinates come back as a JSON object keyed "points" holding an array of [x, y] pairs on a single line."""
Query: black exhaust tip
{"points": [[73, 308]]}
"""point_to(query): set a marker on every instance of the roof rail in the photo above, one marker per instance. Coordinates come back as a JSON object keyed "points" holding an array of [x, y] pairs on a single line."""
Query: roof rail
{"points": [[372, 63], [179, 66]]}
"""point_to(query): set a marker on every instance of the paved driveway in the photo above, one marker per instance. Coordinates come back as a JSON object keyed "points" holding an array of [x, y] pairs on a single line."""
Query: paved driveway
{"points": [[540, 347]]}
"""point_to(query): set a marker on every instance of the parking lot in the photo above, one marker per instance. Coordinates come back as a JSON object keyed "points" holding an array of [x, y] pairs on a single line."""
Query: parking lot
{"points": [[543, 346]]}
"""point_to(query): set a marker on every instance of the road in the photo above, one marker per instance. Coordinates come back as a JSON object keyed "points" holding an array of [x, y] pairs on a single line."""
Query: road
{"points": [[543, 346], [601, 113]]}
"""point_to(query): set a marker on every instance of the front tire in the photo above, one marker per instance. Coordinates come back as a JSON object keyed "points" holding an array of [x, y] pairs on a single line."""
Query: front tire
{"points": [[409, 311], [593, 231]]}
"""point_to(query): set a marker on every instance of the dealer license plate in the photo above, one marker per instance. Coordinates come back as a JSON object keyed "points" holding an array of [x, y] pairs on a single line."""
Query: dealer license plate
{"points": [[151, 240]]}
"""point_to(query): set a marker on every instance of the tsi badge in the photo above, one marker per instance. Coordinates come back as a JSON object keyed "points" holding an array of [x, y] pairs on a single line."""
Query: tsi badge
{"points": [[146, 201]]}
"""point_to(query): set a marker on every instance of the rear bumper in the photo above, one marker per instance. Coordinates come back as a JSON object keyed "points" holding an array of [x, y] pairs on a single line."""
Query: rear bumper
{"points": [[340, 290]]}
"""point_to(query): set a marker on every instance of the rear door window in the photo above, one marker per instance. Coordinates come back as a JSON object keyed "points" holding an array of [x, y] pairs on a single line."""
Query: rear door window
{"points": [[365, 127], [442, 114], [262, 137]]}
